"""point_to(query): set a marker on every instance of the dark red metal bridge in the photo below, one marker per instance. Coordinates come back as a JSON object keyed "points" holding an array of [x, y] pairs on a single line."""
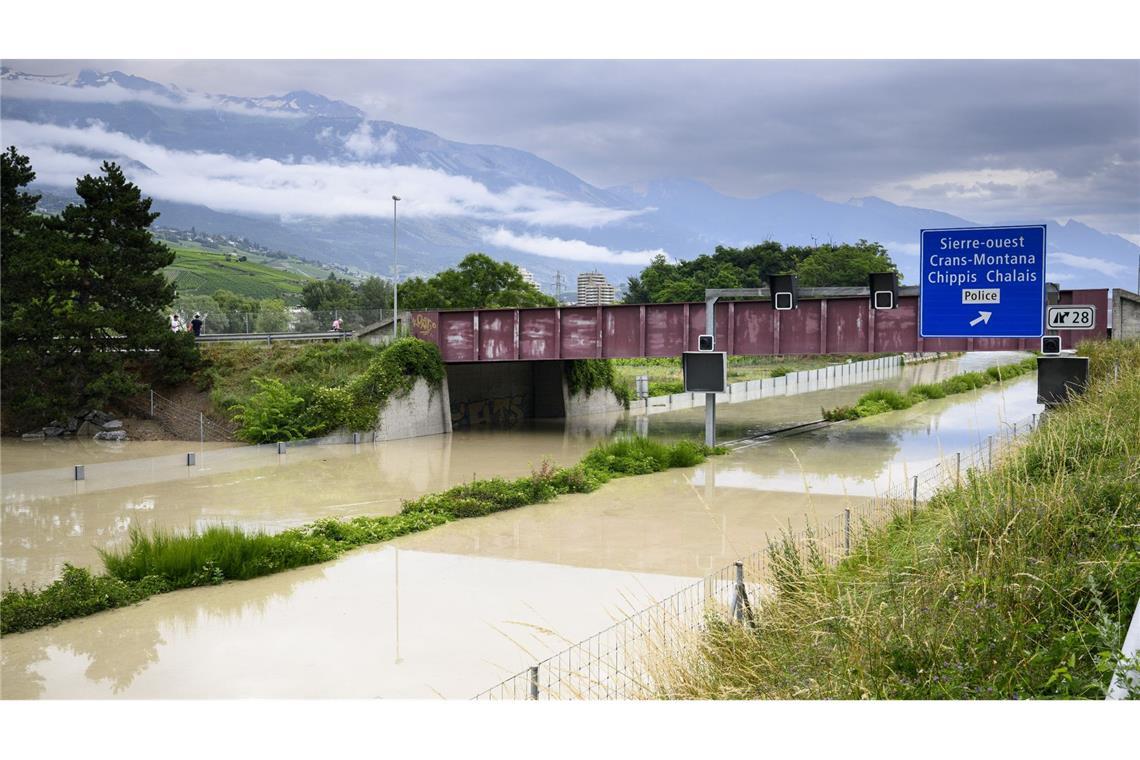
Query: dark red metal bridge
{"points": [[828, 321]]}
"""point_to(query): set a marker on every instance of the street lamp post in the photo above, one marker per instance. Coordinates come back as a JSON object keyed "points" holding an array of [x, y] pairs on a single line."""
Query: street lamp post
{"points": [[395, 275]]}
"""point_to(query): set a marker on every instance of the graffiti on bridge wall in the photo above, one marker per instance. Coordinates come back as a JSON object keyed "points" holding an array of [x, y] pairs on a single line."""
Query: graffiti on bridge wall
{"points": [[503, 411]]}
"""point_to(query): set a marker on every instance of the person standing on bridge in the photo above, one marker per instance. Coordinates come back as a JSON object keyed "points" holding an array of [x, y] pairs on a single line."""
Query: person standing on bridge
{"points": [[196, 324], [337, 325], [176, 323]]}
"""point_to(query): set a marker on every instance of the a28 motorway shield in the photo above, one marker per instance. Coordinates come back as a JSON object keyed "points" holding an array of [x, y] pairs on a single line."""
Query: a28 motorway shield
{"points": [[983, 282]]}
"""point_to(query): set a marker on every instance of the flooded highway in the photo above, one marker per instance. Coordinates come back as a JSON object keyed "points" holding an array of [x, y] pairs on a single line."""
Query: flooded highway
{"points": [[478, 599]]}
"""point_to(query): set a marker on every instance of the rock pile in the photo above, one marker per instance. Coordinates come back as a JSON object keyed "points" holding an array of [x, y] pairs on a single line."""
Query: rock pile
{"points": [[93, 424]]}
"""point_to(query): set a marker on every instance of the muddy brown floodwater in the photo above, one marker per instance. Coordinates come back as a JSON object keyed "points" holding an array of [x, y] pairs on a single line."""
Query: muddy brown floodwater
{"points": [[455, 609]]}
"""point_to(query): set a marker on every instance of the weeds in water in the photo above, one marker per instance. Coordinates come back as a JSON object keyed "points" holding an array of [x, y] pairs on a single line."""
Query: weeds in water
{"points": [[880, 401], [162, 561]]}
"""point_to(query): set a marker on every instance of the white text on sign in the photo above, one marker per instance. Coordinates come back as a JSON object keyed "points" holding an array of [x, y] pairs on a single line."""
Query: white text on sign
{"points": [[1071, 318], [981, 295]]}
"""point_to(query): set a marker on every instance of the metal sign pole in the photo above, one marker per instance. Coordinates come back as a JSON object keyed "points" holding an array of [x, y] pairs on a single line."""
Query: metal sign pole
{"points": [[710, 398]]}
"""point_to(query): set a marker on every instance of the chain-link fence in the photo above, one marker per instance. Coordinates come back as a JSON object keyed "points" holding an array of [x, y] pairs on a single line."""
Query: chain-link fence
{"points": [[181, 421], [617, 663]]}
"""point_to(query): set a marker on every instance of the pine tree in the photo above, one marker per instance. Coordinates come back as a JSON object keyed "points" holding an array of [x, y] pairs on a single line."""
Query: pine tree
{"points": [[84, 311]]}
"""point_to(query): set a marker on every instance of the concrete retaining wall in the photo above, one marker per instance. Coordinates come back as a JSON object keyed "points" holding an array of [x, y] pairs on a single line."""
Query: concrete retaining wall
{"points": [[424, 411], [597, 401], [1125, 314]]}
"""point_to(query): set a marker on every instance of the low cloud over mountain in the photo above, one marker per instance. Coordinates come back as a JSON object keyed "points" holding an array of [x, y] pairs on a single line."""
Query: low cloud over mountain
{"points": [[313, 176]]}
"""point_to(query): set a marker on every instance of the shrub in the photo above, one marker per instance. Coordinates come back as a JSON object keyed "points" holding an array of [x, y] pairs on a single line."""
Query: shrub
{"points": [[396, 369], [586, 375], [892, 399], [928, 391], [666, 387], [309, 404], [329, 409], [76, 593], [273, 414], [686, 454]]}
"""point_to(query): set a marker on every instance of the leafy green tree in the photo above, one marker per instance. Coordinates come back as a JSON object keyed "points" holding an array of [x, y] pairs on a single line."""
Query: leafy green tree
{"points": [[216, 318], [235, 313], [330, 294], [663, 282], [843, 264], [375, 294], [272, 316], [478, 282], [418, 293], [86, 318]]}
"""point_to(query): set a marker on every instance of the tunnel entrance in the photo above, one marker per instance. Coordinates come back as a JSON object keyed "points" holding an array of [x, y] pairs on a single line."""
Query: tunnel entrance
{"points": [[502, 394]]}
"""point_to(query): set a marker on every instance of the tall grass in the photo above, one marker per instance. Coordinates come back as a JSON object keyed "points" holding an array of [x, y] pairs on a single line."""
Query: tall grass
{"points": [[163, 561], [1018, 583], [880, 401]]}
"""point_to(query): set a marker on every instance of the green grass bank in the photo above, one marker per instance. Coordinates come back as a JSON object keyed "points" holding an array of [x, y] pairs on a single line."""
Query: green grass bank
{"points": [[883, 400], [289, 393], [160, 562], [1019, 583]]}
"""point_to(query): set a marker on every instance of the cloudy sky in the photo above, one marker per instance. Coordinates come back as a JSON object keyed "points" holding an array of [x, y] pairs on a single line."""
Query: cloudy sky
{"points": [[986, 140]]}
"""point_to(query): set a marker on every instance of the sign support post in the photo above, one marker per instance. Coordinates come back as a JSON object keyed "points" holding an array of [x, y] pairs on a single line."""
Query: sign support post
{"points": [[710, 398]]}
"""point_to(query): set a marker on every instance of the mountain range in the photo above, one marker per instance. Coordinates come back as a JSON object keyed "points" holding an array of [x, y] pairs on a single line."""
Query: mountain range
{"points": [[311, 176]]}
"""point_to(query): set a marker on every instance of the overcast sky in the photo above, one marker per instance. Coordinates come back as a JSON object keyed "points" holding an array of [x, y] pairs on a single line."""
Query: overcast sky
{"points": [[987, 140]]}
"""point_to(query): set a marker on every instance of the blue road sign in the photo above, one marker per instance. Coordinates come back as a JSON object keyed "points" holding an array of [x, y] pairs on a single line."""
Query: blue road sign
{"points": [[983, 282]]}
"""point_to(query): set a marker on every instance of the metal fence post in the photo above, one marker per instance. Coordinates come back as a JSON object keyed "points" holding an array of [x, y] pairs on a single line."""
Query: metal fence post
{"points": [[847, 531], [1015, 430], [1033, 424], [914, 498], [152, 402], [740, 610], [533, 673]]}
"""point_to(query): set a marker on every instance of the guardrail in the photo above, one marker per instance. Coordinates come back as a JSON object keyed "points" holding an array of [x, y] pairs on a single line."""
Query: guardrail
{"points": [[268, 338], [617, 663], [1126, 679]]}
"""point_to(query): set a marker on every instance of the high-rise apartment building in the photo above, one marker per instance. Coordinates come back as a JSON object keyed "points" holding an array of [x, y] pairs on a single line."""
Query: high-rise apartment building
{"points": [[594, 289], [528, 277]]}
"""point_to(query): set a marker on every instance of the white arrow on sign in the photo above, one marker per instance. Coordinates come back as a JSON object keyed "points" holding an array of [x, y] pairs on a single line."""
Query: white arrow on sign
{"points": [[983, 316]]}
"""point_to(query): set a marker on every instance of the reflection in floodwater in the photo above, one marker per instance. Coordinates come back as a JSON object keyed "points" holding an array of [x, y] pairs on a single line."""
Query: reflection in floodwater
{"points": [[515, 585], [676, 522], [691, 521], [331, 631], [870, 456], [49, 518]]}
